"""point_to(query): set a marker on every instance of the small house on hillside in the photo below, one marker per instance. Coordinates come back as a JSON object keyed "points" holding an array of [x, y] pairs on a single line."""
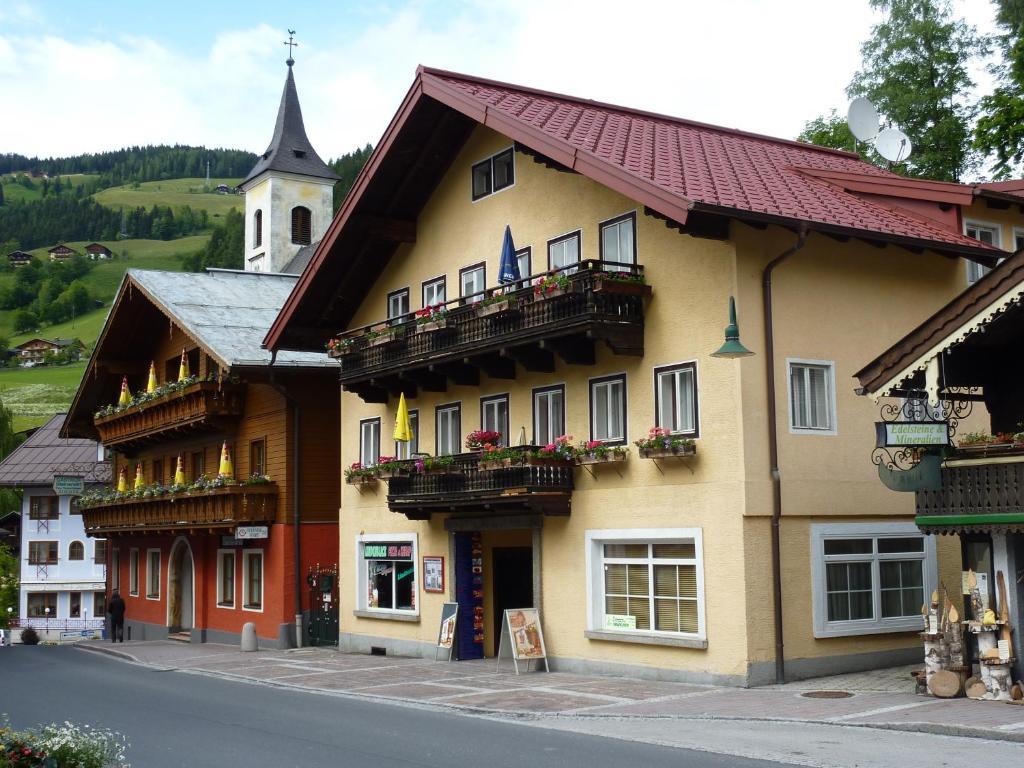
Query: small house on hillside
{"points": [[34, 350], [61, 252], [18, 258], [98, 251]]}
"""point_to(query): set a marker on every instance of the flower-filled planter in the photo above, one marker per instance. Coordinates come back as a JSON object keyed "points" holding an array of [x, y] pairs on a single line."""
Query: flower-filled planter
{"points": [[357, 474], [383, 336], [596, 452], [501, 458], [431, 319], [559, 453], [435, 465], [660, 443], [497, 306], [551, 286], [982, 444], [621, 284], [340, 347], [483, 440]]}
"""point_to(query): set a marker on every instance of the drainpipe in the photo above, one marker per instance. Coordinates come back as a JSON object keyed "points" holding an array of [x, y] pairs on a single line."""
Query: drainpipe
{"points": [[773, 450]]}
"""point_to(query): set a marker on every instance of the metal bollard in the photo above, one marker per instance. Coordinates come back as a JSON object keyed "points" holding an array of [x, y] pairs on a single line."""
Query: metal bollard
{"points": [[249, 637]]}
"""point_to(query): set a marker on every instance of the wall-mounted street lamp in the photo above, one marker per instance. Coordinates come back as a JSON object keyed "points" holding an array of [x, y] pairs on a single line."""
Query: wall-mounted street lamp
{"points": [[732, 347]]}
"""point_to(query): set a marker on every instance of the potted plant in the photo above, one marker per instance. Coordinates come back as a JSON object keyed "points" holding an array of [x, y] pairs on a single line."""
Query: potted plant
{"points": [[475, 441], [596, 452], [559, 453], [390, 466], [339, 347], [551, 285], [387, 334], [434, 465], [497, 305], [661, 443], [357, 474], [501, 458], [430, 319], [621, 283]]}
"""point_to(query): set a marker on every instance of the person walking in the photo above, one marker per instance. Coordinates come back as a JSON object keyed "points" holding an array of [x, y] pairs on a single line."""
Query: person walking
{"points": [[116, 611]]}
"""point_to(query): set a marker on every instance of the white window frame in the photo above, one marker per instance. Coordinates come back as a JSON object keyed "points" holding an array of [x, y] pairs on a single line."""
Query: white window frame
{"points": [[490, 161], [976, 271], [149, 573], [830, 391], [367, 441], [246, 553], [491, 403], [561, 240], [820, 532], [399, 305], [471, 297], [405, 450], [457, 440], [133, 572], [546, 391], [1018, 232], [674, 369], [221, 603], [362, 578], [600, 381], [595, 539], [617, 221], [433, 287]]}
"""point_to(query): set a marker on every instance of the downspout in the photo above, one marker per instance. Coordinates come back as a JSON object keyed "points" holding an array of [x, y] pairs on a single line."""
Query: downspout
{"points": [[773, 450]]}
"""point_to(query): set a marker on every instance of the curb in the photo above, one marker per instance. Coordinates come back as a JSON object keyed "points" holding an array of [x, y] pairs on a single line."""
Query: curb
{"points": [[104, 651]]}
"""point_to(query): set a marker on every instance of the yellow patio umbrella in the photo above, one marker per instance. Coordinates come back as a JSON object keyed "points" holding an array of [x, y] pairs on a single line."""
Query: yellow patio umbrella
{"points": [[179, 473], [151, 381], [403, 424], [226, 468], [122, 481], [126, 395], [183, 366], [140, 479]]}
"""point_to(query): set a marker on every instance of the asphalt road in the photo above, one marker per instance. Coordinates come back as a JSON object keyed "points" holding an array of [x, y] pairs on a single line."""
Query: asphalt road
{"points": [[178, 719]]}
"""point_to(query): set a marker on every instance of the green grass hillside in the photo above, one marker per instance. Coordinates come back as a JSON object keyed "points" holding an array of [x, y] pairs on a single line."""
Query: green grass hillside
{"points": [[35, 394], [175, 193]]}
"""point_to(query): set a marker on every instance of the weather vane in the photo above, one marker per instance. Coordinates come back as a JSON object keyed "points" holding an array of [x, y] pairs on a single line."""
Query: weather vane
{"points": [[290, 42]]}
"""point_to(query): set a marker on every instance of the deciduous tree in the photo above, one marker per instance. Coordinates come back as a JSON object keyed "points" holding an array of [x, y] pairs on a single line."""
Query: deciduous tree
{"points": [[1000, 128]]}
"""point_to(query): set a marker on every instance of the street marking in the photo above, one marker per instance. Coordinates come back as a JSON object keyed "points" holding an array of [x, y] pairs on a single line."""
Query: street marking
{"points": [[1011, 727], [879, 711]]}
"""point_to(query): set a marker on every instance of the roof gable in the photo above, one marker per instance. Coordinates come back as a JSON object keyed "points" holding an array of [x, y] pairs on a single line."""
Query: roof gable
{"points": [[45, 454]]}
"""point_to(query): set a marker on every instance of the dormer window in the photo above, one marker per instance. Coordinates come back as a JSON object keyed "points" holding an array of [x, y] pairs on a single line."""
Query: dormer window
{"points": [[300, 153], [301, 226]]}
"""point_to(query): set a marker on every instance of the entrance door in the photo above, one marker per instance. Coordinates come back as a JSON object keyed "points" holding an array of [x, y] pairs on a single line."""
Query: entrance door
{"points": [[185, 588], [512, 583], [179, 588]]}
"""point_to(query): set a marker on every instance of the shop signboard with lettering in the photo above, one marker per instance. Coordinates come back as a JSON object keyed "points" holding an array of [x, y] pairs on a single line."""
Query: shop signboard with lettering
{"points": [[68, 485], [522, 637], [387, 551], [911, 434], [446, 630], [252, 532]]}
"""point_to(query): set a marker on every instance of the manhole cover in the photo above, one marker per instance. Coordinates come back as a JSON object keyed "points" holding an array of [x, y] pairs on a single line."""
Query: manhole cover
{"points": [[827, 694]]}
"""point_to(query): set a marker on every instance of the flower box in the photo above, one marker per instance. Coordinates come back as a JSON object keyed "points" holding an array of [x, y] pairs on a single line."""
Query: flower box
{"points": [[385, 339], [601, 458], [497, 308], [431, 326], [491, 464], [341, 349], [552, 293], [681, 451], [621, 287], [546, 462], [361, 479]]}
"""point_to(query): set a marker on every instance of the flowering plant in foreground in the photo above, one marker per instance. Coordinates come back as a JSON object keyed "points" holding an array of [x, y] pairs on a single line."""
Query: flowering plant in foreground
{"points": [[482, 438], [551, 284], [561, 449], [599, 450], [662, 439], [62, 746], [431, 314], [358, 470]]}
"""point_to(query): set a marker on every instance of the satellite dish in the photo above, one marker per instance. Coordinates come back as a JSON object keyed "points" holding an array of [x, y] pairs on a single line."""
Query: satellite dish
{"points": [[862, 118], [893, 145]]}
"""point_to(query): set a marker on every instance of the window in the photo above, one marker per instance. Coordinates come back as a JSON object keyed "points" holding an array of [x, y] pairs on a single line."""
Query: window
{"points": [[407, 449], [471, 282], [115, 569], [76, 551], [226, 578], [548, 414], [133, 572], [675, 398], [811, 397], [44, 508], [198, 464], [493, 174], [42, 553], [564, 252], [99, 604], [42, 604], [449, 429], [398, 304], [158, 471], [870, 578], [387, 572], [75, 605], [434, 292], [252, 580], [1018, 239], [618, 241], [986, 233], [646, 582], [73, 507], [99, 552], [369, 442], [153, 574], [257, 229], [524, 258], [494, 416], [258, 457], [608, 409], [302, 231]]}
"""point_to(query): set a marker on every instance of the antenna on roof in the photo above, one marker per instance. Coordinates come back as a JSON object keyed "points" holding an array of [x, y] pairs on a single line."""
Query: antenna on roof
{"points": [[892, 144]]}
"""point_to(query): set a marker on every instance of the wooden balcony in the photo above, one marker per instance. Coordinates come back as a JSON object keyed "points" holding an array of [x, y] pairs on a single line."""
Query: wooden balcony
{"points": [[984, 494], [217, 509], [203, 406], [465, 487], [483, 334]]}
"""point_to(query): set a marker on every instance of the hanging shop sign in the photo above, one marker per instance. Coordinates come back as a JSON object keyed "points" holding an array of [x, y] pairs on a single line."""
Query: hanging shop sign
{"points": [[68, 485], [387, 551], [252, 532], [926, 475], [911, 434]]}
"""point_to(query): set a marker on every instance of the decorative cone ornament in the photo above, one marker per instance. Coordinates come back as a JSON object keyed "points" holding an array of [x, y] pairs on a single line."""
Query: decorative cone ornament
{"points": [[140, 480], [126, 394], [403, 424], [183, 366], [179, 473], [151, 381], [122, 481], [226, 468]]}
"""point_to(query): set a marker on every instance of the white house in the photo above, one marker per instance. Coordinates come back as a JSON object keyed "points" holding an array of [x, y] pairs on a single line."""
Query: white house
{"points": [[63, 572]]}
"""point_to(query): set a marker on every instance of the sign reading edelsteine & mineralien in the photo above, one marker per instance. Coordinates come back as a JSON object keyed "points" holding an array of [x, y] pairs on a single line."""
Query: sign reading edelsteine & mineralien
{"points": [[893, 434], [68, 485]]}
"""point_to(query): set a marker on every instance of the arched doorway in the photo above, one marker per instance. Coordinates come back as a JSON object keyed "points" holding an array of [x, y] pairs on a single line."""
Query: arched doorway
{"points": [[180, 593]]}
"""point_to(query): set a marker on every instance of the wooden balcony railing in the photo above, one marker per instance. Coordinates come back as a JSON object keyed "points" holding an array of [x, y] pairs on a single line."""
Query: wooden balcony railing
{"points": [[214, 509], [525, 488], [404, 354], [203, 406], [976, 494]]}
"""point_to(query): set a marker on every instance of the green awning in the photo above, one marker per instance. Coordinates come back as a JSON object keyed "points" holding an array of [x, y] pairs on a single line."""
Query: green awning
{"points": [[1013, 522]]}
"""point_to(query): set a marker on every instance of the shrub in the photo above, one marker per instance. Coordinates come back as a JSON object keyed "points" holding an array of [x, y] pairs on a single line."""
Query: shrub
{"points": [[29, 636], [62, 746]]}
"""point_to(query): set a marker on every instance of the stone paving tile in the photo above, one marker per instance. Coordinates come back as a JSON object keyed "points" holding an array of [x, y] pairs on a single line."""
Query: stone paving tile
{"points": [[263, 672], [417, 691], [525, 700], [966, 712], [894, 679], [632, 689]]}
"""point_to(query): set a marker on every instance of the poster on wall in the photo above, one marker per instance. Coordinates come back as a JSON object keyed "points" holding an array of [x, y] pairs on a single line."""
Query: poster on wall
{"points": [[433, 574], [522, 637], [446, 630]]}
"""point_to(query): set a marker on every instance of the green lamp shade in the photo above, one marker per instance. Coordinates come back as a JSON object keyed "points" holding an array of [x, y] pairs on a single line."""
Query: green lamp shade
{"points": [[732, 347]]}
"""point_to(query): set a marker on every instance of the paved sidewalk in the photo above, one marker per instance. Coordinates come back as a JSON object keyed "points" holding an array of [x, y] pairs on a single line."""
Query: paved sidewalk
{"points": [[880, 699]]}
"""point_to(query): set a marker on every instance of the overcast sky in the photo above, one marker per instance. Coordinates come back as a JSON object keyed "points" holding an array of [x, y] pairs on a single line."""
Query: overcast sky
{"points": [[91, 76]]}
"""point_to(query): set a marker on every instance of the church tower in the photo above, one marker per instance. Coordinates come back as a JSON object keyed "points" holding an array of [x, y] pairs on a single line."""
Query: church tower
{"points": [[288, 194]]}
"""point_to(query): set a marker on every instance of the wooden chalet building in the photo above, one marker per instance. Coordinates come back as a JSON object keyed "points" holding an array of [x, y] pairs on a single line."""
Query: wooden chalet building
{"points": [[35, 350], [61, 252], [204, 555], [19, 258], [98, 251]]}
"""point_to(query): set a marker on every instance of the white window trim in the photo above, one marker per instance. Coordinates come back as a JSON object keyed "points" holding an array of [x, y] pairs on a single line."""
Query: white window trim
{"points": [[133, 570], [1017, 232], [561, 238], [612, 219], [596, 538], [606, 379], [245, 578], [159, 575], [455, 407], [234, 580], [997, 242], [533, 406], [831, 392], [362, 604], [695, 433], [877, 626], [490, 157], [372, 422]]}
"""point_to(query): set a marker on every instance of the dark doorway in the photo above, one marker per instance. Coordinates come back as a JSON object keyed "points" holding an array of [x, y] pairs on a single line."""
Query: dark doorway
{"points": [[513, 583]]}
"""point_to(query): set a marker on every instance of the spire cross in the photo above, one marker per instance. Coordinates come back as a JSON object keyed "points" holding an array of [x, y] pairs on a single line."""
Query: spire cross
{"points": [[290, 42]]}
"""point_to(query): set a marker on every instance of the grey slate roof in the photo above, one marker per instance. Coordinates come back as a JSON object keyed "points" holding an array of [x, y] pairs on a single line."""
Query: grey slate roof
{"points": [[300, 260], [290, 150], [46, 454], [227, 311]]}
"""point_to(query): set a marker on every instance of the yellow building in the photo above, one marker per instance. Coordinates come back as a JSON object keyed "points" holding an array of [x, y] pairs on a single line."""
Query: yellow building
{"points": [[632, 232]]}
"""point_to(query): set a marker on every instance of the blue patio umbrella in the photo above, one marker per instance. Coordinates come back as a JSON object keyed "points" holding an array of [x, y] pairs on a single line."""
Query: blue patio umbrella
{"points": [[508, 270]]}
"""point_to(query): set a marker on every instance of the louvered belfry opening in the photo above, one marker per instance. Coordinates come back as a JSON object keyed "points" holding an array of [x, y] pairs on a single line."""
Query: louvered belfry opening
{"points": [[301, 225]]}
